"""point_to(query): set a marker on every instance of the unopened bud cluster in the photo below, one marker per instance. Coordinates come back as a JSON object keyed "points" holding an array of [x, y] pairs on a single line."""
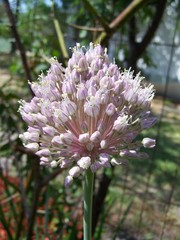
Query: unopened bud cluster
{"points": [[88, 114]]}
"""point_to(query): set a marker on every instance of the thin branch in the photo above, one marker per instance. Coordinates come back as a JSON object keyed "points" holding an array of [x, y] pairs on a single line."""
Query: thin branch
{"points": [[161, 4], [129, 11], [25, 150], [59, 33], [92, 10], [92, 29], [120, 20], [17, 38]]}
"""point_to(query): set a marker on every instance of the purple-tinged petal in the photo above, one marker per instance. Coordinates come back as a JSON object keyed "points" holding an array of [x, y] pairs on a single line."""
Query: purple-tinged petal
{"points": [[149, 142], [32, 146], [75, 171], [68, 181], [49, 130], [43, 152]]}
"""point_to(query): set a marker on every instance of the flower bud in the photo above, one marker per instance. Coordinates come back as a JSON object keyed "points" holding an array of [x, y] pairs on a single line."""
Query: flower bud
{"points": [[28, 118], [24, 137], [33, 136], [68, 107], [49, 131], [104, 159], [128, 153], [118, 87], [131, 96], [66, 163], [54, 164], [148, 122], [149, 142], [75, 171], [96, 65], [116, 162], [44, 161], [75, 76], [33, 129], [27, 108], [105, 82], [113, 69], [68, 181], [32, 146], [84, 138], [110, 109], [92, 108], [103, 144], [98, 51], [95, 166], [82, 92], [29, 136], [133, 154], [91, 91], [57, 141], [43, 152], [95, 137], [66, 138], [84, 163], [120, 125], [83, 65], [56, 67], [59, 117], [41, 118], [104, 98], [68, 87], [45, 144]]}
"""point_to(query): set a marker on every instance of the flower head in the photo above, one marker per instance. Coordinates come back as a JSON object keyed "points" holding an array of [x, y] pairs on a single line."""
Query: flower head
{"points": [[88, 114]]}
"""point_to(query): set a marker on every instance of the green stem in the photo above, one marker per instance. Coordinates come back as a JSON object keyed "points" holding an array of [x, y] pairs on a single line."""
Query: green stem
{"points": [[88, 196]]}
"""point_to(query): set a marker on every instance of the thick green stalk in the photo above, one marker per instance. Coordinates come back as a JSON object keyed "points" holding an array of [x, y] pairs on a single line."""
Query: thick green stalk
{"points": [[88, 197]]}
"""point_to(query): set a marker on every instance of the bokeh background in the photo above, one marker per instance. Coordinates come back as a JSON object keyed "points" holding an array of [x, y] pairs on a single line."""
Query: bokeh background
{"points": [[137, 202]]}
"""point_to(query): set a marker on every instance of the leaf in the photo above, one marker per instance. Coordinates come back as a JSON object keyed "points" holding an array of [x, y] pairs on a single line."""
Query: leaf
{"points": [[99, 231], [5, 224], [123, 219], [61, 38]]}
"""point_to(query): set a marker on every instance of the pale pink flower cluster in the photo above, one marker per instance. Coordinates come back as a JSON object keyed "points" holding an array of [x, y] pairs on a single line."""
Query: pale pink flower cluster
{"points": [[88, 114]]}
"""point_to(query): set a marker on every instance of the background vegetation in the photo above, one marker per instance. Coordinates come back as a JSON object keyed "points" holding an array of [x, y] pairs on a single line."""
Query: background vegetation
{"points": [[140, 201]]}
